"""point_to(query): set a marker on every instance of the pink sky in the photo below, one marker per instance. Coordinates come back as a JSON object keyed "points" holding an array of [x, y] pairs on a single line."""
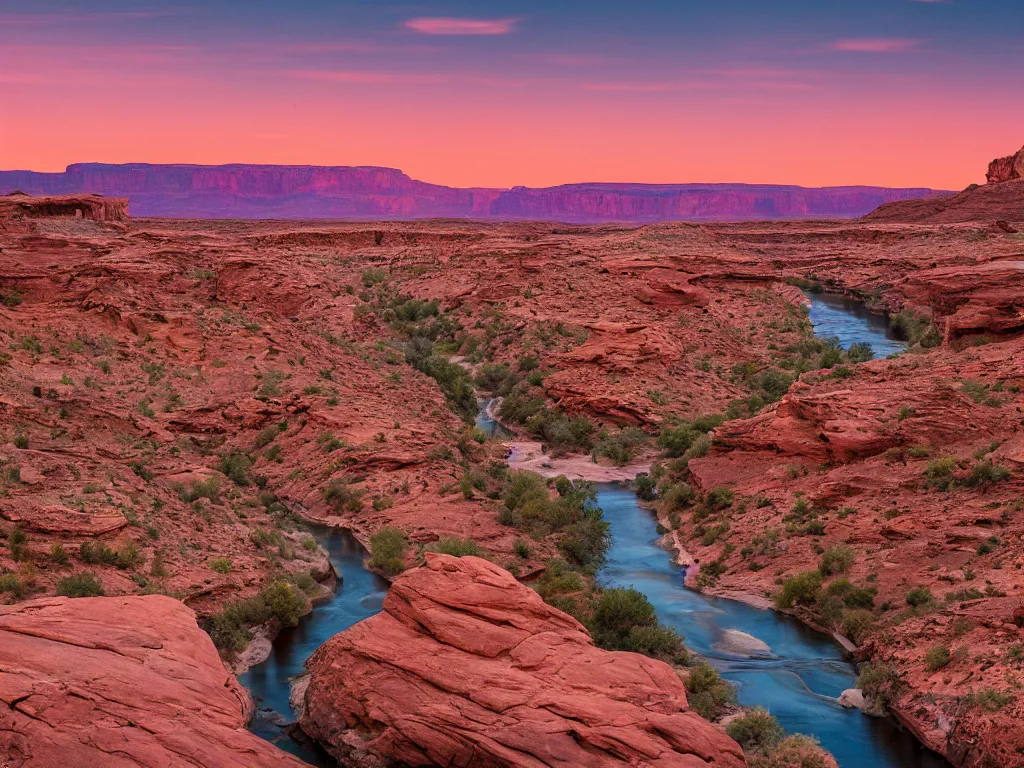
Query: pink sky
{"points": [[855, 109]]}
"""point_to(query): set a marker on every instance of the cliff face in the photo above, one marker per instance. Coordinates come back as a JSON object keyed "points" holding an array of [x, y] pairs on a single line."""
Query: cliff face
{"points": [[296, 192], [1008, 168]]}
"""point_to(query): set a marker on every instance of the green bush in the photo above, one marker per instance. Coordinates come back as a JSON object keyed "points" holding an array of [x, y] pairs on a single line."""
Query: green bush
{"points": [[279, 600], [523, 549], [796, 751], [799, 589], [837, 559], [620, 447], [221, 565], [938, 474], [985, 474], [678, 496], [857, 624], [645, 486], [936, 658], [82, 584], [756, 731], [387, 550], [719, 498], [10, 583], [915, 329], [340, 494], [709, 695], [456, 547], [919, 596], [236, 467], [880, 685], [675, 441], [988, 699]]}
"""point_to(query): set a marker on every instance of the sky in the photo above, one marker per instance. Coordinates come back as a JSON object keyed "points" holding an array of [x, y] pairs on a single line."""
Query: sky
{"points": [[522, 92]]}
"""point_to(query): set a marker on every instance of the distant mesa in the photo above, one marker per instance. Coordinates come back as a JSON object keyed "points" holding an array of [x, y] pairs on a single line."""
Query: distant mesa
{"points": [[344, 192]]}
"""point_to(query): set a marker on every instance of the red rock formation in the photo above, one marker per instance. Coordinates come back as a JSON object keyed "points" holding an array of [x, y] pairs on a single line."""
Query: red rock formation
{"points": [[120, 683], [305, 192], [1006, 168], [465, 666], [92, 207]]}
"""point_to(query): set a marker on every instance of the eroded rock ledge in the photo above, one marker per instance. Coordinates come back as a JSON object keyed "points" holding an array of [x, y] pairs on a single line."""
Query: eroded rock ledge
{"points": [[119, 682], [465, 666]]}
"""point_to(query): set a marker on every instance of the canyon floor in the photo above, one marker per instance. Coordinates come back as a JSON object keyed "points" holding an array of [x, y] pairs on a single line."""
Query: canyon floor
{"points": [[178, 397]]}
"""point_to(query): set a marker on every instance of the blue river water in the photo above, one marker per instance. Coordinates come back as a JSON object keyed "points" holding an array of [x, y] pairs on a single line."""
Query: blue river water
{"points": [[835, 315], [797, 682], [359, 595]]}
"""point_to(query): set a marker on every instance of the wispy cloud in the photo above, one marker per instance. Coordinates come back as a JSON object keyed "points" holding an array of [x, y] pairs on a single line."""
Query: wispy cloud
{"points": [[876, 44], [454, 26]]}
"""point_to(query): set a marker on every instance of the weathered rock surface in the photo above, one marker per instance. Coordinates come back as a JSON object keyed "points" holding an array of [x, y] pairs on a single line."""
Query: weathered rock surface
{"points": [[465, 666], [120, 683], [1006, 168]]}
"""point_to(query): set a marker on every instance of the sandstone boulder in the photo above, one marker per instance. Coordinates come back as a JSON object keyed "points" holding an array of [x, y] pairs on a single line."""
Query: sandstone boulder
{"points": [[465, 666], [119, 682]]}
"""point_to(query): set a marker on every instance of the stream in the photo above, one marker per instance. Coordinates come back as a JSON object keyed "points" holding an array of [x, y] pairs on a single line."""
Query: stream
{"points": [[797, 681]]}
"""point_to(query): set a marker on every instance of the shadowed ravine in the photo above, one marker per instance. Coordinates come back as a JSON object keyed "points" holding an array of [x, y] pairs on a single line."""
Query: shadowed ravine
{"points": [[798, 682]]}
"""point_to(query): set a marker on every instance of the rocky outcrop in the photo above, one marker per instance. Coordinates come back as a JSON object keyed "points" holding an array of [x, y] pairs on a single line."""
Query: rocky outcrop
{"points": [[1006, 168], [305, 192], [120, 683], [465, 666], [91, 207]]}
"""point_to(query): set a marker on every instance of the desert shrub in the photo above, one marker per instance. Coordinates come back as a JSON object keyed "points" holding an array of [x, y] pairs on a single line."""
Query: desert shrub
{"points": [[221, 565], [837, 559], [11, 584], [270, 384], [496, 378], [880, 685], [620, 447], [387, 550], [709, 695], [586, 541], [936, 658], [678, 496], [97, 553], [857, 624], [340, 494], [860, 352], [985, 474], [799, 589], [938, 474], [719, 498], [773, 384], [988, 699], [265, 436], [756, 731], [558, 579], [915, 329], [236, 467], [21, 441], [961, 595], [852, 595], [522, 548], [279, 600], [675, 441], [456, 547], [82, 584], [796, 751], [645, 486], [919, 596]]}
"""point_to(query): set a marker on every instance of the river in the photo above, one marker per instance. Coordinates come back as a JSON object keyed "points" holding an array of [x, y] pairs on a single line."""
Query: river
{"points": [[797, 682]]}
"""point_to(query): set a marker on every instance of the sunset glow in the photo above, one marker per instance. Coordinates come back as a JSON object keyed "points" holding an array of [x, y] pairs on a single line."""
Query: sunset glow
{"points": [[848, 92]]}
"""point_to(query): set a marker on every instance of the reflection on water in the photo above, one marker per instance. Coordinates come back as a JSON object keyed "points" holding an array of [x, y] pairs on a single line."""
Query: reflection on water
{"points": [[490, 426], [835, 315], [359, 596], [797, 684]]}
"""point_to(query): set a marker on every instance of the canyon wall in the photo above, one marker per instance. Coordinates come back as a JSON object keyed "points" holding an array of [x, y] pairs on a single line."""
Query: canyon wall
{"points": [[311, 192]]}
